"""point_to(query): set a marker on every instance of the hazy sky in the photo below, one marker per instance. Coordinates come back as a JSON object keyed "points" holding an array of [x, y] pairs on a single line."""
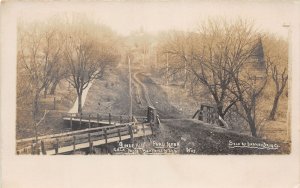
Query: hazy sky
{"points": [[125, 17]]}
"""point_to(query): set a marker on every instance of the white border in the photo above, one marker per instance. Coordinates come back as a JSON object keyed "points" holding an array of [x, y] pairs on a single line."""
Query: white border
{"points": [[137, 171]]}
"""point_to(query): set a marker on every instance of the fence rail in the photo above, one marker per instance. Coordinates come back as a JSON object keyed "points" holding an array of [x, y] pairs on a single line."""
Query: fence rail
{"points": [[97, 129], [71, 141], [100, 117]]}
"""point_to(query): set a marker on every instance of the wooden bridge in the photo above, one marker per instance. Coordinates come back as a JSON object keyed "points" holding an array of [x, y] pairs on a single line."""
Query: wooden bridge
{"points": [[209, 114], [99, 132]]}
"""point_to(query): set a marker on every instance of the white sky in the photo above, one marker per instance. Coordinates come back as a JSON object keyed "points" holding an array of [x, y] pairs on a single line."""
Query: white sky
{"points": [[125, 17]]}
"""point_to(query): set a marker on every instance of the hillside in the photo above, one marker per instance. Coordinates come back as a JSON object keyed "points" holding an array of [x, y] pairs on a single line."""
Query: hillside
{"points": [[175, 108]]}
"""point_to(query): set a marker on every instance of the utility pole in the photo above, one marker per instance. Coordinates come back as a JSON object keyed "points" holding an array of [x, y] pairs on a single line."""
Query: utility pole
{"points": [[288, 26], [167, 69], [130, 90], [156, 60], [185, 74], [144, 53]]}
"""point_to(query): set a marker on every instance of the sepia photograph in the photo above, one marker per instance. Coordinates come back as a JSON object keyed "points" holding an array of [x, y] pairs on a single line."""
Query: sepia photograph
{"points": [[150, 94], [136, 85]]}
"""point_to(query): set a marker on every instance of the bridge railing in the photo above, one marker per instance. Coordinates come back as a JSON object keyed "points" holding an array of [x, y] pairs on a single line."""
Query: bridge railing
{"points": [[207, 113], [107, 125], [53, 142], [152, 115], [100, 117]]}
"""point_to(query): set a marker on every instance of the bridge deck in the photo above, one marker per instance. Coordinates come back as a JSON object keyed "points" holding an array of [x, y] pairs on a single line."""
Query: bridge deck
{"points": [[89, 121], [70, 148], [63, 143], [69, 133]]}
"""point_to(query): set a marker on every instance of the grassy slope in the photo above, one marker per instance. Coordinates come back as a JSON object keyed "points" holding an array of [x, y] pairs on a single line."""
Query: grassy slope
{"points": [[53, 122], [272, 130], [207, 139], [112, 92], [111, 95]]}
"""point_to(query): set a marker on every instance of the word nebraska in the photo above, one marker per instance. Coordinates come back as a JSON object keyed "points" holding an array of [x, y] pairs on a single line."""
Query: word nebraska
{"points": [[165, 144]]}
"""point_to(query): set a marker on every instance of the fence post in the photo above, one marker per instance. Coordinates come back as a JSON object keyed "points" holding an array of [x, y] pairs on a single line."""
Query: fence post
{"points": [[74, 143], [105, 135], [32, 149], [148, 114], [200, 117], [80, 120], [56, 146], [71, 124], [54, 103], [152, 132], [37, 149], [43, 147], [109, 118], [90, 143], [143, 128], [154, 111], [208, 115], [89, 120], [131, 133], [119, 133]]}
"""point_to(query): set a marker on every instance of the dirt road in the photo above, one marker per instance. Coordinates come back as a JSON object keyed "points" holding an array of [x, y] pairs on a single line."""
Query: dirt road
{"points": [[142, 90], [153, 95]]}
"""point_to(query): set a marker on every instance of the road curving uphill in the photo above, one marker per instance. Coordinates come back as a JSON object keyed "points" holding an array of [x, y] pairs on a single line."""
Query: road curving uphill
{"points": [[144, 88]]}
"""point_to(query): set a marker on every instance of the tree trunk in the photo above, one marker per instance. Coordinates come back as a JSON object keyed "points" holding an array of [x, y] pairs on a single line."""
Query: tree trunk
{"points": [[45, 91], [53, 87], [35, 106], [274, 108], [36, 133], [220, 122], [80, 103], [252, 128], [221, 114], [251, 123]]}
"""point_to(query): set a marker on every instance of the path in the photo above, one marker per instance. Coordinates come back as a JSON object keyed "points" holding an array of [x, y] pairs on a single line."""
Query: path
{"points": [[154, 95], [145, 90]]}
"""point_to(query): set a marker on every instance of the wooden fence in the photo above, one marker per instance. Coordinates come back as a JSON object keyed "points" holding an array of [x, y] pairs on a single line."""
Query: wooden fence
{"points": [[207, 114], [88, 130], [75, 140]]}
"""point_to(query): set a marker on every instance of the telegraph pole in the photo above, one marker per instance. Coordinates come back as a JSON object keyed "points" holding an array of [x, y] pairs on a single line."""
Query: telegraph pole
{"points": [[167, 69], [130, 90], [288, 26]]}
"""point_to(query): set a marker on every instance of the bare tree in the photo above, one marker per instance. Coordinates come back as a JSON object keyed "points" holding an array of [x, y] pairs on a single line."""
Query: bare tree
{"points": [[52, 51], [36, 59], [174, 49], [39, 52], [58, 74], [88, 50], [276, 53], [209, 54], [222, 56], [280, 79], [248, 88]]}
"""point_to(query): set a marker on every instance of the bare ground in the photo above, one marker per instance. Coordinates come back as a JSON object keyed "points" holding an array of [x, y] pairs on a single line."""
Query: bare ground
{"points": [[208, 139], [177, 125], [53, 122]]}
